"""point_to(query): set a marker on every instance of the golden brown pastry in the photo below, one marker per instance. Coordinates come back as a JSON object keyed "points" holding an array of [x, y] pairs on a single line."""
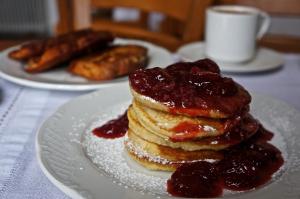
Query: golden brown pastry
{"points": [[44, 54], [113, 62], [37, 47], [28, 50], [67, 48]]}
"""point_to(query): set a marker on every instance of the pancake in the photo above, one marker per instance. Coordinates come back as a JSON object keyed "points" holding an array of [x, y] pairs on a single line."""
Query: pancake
{"points": [[157, 157], [179, 127], [171, 154], [192, 90], [191, 112], [239, 134], [147, 163]]}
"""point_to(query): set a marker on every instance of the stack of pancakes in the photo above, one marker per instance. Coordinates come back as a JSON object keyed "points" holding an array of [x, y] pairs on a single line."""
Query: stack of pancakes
{"points": [[184, 113]]}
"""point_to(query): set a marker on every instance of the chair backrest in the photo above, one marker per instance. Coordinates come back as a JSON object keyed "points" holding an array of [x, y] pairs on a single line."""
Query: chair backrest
{"points": [[282, 8], [184, 19]]}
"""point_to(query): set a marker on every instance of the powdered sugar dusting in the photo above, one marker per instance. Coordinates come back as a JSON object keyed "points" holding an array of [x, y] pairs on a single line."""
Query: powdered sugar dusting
{"points": [[107, 154], [143, 154]]}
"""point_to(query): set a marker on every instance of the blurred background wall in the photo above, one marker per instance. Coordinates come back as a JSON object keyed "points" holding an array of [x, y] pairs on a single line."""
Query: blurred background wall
{"points": [[27, 17], [39, 17]]}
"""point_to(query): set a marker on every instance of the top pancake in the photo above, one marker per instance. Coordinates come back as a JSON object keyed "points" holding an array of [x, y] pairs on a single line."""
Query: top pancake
{"points": [[192, 89]]}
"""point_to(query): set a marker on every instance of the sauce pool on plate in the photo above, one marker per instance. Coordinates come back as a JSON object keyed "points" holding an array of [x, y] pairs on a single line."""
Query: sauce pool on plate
{"points": [[244, 167], [114, 128]]}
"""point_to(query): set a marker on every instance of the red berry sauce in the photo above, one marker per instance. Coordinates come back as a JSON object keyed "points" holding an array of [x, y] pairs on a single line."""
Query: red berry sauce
{"points": [[196, 180], [114, 128], [191, 87], [244, 167]]}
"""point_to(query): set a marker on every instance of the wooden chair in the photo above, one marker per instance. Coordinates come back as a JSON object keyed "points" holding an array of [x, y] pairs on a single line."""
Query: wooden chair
{"points": [[282, 8], [184, 19]]}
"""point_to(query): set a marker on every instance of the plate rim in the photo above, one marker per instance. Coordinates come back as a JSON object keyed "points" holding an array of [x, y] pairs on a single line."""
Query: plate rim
{"points": [[74, 193], [237, 70], [92, 85], [65, 189]]}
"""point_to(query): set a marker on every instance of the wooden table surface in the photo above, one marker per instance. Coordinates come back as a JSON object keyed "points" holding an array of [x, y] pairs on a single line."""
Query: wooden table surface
{"points": [[8, 43]]}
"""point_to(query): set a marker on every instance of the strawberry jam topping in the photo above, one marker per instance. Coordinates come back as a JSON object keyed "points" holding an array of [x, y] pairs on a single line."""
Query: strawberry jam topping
{"points": [[196, 87]]}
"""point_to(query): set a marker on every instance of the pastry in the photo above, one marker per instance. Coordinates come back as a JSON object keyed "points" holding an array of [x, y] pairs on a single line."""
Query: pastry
{"points": [[68, 47], [113, 62]]}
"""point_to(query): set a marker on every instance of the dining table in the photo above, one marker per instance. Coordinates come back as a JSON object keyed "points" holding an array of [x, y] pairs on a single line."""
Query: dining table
{"points": [[24, 109]]}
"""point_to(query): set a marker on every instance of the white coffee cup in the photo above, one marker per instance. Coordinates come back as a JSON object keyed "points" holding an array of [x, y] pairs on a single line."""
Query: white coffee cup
{"points": [[231, 32]]}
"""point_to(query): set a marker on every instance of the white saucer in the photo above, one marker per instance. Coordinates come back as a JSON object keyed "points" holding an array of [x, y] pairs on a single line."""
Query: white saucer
{"points": [[265, 59]]}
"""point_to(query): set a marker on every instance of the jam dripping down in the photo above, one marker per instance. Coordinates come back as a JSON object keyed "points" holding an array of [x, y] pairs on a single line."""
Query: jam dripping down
{"points": [[244, 167], [114, 128]]}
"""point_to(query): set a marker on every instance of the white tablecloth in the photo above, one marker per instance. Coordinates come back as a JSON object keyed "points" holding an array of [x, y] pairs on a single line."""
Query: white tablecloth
{"points": [[22, 110]]}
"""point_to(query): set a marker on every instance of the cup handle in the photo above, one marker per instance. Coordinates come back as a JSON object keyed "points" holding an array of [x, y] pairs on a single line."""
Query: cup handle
{"points": [[264, 26]]}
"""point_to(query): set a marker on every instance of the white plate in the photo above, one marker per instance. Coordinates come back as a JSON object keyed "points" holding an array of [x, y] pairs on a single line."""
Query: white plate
{"points": [[265, 59], [63, 159], [60, 79]]}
